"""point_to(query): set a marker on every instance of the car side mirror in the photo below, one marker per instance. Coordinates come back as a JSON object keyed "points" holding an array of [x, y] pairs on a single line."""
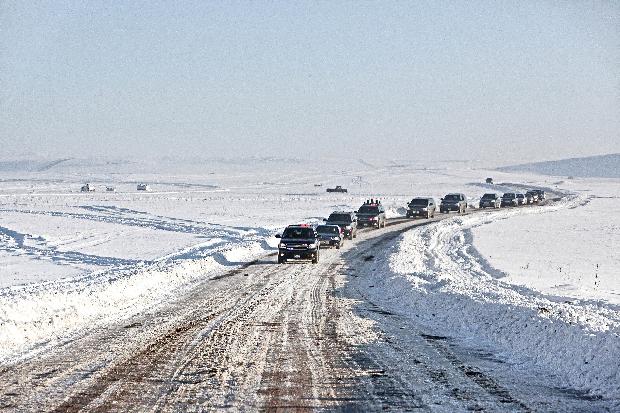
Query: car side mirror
{"points": [[324, 219], [278, 236]]}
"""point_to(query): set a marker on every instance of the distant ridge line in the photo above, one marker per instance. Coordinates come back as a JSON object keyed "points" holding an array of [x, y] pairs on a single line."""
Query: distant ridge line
{"points": [[598, 166]]}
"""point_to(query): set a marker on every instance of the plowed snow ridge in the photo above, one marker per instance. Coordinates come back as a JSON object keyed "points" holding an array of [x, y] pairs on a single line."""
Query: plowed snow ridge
{"points": [[436, 272]]}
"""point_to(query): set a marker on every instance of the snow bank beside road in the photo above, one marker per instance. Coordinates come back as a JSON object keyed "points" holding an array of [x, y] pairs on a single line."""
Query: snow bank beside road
{"points": [[436, 273], [37, 315]]}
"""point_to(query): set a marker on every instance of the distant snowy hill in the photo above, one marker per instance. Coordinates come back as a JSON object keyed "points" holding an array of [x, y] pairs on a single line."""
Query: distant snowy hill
{"points": [[602, 166]]}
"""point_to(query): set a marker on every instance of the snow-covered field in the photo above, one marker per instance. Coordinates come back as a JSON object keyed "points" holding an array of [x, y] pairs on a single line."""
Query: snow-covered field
{"points": [[517, 280]]}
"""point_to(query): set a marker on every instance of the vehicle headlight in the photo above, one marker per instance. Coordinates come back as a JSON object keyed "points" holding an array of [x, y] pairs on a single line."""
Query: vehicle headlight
{"points": [[335, 238], [424, 209], [281, 245], [348, 227]]}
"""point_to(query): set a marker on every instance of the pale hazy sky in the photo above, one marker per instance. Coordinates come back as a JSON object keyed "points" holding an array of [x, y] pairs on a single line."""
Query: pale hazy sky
{"points": [[404, 79]]}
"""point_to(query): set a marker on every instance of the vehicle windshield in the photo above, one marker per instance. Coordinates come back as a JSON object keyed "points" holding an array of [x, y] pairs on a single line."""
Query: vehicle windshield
{"points": [[509, 196], [520, 195], [369, 209], [339, 218], [419, 202], [488, 196], [298, 232], [451, 197], [327, 229]]}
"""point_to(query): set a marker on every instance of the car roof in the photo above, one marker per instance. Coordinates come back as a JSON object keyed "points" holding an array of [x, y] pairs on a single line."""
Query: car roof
{"points": [[342, 212]]}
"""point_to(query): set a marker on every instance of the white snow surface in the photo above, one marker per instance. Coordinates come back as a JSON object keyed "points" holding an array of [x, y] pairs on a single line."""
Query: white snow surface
{"points": [[71, 261], [437, 273]]}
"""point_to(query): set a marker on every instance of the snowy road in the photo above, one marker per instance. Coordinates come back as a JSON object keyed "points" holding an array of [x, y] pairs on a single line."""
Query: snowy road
{"points": [[289, 337]]}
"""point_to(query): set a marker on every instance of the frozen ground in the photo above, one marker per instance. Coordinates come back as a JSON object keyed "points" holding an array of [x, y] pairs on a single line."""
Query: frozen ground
{"points": [[571, 253], [71, 261]]}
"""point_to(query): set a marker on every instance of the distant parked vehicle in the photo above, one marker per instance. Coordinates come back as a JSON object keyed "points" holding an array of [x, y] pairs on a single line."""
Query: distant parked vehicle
{"points": [[371, 214], [453, 202], [521, 200], [110, 189], [490, 201], [144, 187], [330, 236], [489, 180], [87, 188], [509, 199], [532, 197], [421, 207], [338, 188]]}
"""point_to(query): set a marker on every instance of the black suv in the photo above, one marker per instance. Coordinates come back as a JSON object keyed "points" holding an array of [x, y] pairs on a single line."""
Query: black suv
{"points": [[421, 207], [453, 202], [345, 220], [490, 201], [509, 199], [300, 242], [371, 214]]}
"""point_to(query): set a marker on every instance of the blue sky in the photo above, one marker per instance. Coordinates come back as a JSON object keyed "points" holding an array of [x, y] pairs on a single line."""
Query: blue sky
{"points": [[422, 80]]}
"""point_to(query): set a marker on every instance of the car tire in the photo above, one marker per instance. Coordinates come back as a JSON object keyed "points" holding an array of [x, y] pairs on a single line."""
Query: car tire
{"points": [[315, 260], [281, 260]]}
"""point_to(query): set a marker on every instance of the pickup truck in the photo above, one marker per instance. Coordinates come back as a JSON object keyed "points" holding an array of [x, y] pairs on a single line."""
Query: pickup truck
{"points": [[337, 189]]}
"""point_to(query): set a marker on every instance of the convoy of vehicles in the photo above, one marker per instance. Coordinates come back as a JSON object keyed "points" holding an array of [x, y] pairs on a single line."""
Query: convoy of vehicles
{"points": [[453, 202], [338, 188], [304, 241], [371, 214], [421, 207]]}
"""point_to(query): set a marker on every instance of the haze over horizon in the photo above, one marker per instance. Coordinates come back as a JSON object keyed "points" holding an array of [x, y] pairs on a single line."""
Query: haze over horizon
{"points": [[439, 80]]}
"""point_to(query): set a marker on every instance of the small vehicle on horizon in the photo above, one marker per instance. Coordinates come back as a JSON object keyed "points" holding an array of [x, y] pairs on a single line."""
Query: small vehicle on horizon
{"points": [[371, 214], [490, 201], [489, 181], [143, 187], [338, 188], [421, 207], [330, 236], [509, 199], [110, 189], [453, 202], [345, 220], [298, 242], [87, 188]]}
